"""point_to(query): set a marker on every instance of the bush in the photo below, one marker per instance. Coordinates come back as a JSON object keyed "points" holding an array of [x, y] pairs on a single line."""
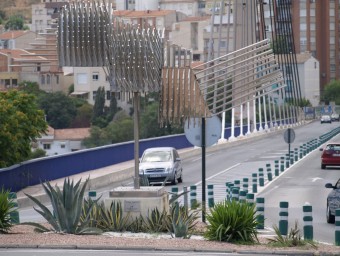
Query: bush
{"points": [[293, 238], [112, 219], [232, 221], [181, 222], [6, 207], [67, 207]]}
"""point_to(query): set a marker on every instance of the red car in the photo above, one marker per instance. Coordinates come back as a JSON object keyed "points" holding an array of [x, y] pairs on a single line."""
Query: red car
{"points": [[330, 155]]}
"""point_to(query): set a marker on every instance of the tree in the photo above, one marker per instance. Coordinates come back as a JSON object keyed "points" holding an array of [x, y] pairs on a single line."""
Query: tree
{"points": [[98, 117], [59, 109], [15, 22], [83, 117], [20, 123], [332, 92]]}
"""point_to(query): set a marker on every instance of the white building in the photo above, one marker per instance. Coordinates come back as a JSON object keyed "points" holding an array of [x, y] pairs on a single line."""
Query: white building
{"points": [[61, 141], [308, 68]]}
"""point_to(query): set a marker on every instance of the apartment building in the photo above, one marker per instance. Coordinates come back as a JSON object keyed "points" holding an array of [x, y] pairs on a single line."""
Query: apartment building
{"points": [[316, 29]]}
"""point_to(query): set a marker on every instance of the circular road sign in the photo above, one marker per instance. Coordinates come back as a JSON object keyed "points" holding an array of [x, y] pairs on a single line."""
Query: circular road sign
{"points": [[289, 135], [193, 131]]}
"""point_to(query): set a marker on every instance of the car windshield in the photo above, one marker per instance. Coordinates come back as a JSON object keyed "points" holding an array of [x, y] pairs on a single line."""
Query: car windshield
{"points": [[333, 147], [156, 156]]}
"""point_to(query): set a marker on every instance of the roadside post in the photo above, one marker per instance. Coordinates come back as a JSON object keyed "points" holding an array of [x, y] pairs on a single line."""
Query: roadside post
{"points": [[283, 222]]}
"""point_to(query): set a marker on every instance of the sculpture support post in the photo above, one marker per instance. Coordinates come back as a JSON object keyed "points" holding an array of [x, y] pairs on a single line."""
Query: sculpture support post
{"points": [[136, 137]]}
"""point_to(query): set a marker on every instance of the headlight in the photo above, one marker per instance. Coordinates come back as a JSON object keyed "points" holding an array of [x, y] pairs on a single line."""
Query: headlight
{"points": [[168, 169], [141, 171]]}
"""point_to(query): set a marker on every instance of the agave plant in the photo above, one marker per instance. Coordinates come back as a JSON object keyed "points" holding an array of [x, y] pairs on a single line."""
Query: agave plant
{"points": [[181, 222], [112, 219], [156, 221], [6, 207], [67, 209]]}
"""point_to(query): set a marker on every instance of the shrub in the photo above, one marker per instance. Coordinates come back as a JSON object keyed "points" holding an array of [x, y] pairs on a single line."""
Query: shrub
{"points": [[155, 222], [112, 219], [181, 222], [6, 207], [232, 221], [291, 240], [67, 207]]}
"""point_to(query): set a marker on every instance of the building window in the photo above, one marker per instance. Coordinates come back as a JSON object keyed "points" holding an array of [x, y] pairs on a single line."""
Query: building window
{"points": [[94, 93], [57, 79], [95, 76], [47, 146], [62, 145], [223, 44], [42, 79], [108, 95], [48, 79]]}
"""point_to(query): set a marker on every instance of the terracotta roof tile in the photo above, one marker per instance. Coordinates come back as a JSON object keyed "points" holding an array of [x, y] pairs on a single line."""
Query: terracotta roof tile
{"points": [[13, 34], [71, 134], [19, 54]]}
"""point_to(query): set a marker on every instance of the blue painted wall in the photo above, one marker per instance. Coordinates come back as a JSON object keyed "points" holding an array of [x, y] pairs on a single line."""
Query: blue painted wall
{"points": [[36, 171]]}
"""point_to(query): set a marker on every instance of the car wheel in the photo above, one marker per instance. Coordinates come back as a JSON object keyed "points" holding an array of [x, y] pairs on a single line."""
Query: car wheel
{"points": [[323, 166], [329, 216], [175, 180], [180, 179]]}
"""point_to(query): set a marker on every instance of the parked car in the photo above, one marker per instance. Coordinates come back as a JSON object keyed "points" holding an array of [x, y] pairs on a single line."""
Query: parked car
{"points": [[330, 155], [335, 117], [333, 201], [161, 164], [326, 119]]}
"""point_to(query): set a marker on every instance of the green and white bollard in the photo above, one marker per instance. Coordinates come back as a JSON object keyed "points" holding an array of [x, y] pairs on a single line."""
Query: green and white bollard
{"points": [[211, 195], [277, 170], [283, 222], [269, 172], [14, 214], [254, 182], [261, 177], [243, 196], [282, 163], [174, 193], [260, 212], [291, 157], [193, 197], [227, 191], [245, 184], [337, 226], [287, 161], [230, 185], [235, 193], [237, 183], [250, 198], [296, 154], [307, 222], [300, 152], [92, 195]]}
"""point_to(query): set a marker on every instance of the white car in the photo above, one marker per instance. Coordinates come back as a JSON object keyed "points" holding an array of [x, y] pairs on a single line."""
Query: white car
{"points": [[326, 119], [161, 164]]}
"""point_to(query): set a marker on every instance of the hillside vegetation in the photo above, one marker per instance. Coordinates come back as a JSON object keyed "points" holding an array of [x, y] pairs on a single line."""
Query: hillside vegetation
{"points": [[18, 7]]}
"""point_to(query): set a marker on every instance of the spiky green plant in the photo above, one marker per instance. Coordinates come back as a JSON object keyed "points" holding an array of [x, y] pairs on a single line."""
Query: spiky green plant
{"points": [[232, 221], [293, 238], [66, 209], [137, 225], [181, 222], [112, 219], [6, 207], [156, 221], [93, 207]]}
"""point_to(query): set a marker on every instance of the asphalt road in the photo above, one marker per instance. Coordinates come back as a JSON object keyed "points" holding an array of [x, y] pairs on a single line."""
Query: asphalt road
{"points": [[242, 159]]}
